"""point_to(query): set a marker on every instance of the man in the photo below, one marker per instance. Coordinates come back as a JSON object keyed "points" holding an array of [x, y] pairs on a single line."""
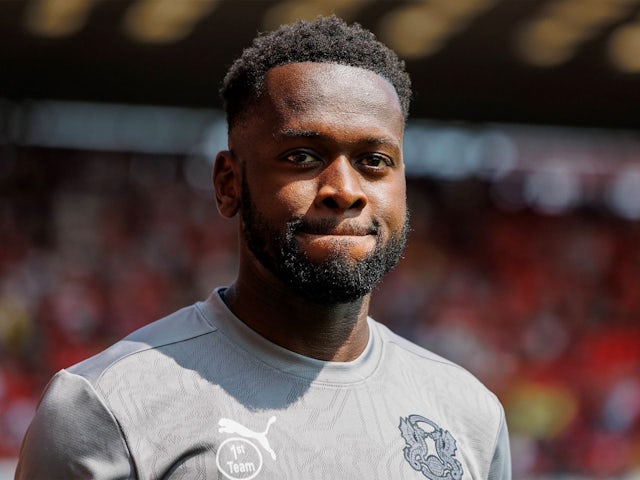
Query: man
{"points": [[282, 375]]}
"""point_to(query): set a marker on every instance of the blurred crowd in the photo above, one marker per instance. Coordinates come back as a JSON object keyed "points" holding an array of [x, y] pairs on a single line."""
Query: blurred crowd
{"points": [[543, 309]]}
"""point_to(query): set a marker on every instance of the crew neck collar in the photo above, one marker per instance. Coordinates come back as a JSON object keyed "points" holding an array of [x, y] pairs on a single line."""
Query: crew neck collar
{"points": [[220, 316]]}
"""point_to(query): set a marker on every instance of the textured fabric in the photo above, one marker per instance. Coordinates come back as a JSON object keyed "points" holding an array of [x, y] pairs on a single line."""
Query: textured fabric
{"points": [[199, 395]]}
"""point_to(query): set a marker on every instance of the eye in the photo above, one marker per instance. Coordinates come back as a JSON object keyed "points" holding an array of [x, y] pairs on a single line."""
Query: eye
{"points": [[376, 161], [301, 158]]}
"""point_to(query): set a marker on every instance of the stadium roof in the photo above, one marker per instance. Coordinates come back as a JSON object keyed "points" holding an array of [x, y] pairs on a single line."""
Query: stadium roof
{"points": [[562, 62]]}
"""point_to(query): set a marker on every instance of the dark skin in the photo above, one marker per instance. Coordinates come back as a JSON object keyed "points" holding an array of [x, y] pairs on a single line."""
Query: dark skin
{"points": [[323, 142]]}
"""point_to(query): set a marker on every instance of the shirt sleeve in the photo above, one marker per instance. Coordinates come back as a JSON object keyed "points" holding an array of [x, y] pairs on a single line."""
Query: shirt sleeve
{"points": [[73, 436], [500, 468]]}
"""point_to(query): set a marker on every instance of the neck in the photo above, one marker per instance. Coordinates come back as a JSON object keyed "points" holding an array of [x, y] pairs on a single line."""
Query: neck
{"points": [[336, 332]]}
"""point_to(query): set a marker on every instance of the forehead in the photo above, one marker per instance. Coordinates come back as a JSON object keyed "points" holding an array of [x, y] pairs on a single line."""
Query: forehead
{"points": [[304, 94], [310, 82]]}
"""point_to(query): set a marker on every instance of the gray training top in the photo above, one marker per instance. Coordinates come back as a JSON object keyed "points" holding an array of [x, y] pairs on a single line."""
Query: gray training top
{"points": [[199, 395]]}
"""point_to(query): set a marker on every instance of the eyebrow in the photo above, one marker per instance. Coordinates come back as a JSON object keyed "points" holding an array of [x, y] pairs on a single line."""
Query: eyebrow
{"points": [[292, 133]]}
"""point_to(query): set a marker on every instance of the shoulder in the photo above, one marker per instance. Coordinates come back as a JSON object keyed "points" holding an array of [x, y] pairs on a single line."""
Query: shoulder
{"points": [[181, 326], [75, 432], [454, 397], [424, 367], [409, 348], [73, 435], [420, 356]]}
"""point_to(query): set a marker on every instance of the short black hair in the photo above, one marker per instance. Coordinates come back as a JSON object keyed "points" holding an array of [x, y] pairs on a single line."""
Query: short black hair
{"points": [[325, 40]]}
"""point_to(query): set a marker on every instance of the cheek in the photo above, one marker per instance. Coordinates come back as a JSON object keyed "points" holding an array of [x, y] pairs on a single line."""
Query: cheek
{"points": [[277, 194], [396, 216], [295, 197], [390, 204]]}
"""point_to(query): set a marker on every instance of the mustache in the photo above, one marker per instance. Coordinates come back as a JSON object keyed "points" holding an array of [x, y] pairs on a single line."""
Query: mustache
{"points": [[328, 226]]}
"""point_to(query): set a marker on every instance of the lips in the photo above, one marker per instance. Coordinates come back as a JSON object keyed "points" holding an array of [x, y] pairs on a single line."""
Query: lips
{"points": [[338, 229]]}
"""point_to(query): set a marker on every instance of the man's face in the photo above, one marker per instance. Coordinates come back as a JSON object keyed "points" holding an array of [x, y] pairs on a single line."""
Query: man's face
{"points": [[323, 189]]}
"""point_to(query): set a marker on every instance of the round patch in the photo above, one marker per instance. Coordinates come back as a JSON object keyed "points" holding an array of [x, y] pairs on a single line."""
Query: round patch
{"points": [[238, 459]]}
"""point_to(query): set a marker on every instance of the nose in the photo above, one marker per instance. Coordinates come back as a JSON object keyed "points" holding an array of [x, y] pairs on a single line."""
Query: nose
{"points": [[340, 187]]}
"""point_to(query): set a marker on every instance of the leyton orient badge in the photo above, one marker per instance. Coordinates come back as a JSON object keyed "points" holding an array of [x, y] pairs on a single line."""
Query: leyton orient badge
{"points": [[430, 449]]}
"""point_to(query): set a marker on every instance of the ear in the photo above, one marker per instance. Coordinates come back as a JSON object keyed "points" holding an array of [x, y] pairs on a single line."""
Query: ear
{"points": [[226, 183]]}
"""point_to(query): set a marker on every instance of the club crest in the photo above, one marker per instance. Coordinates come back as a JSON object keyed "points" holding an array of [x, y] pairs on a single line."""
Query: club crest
{"points": [[430, 449]]}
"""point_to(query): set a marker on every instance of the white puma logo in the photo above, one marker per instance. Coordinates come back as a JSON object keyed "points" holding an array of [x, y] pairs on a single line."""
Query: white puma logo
{"points": [[231, 426]]}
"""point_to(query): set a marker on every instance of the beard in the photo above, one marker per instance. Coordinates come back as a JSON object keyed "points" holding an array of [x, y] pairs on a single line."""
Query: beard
{"points": [[334, 280]]}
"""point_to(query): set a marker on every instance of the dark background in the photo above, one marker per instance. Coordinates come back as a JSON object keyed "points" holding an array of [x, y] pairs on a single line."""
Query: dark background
{"points": [[477, 75]]}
